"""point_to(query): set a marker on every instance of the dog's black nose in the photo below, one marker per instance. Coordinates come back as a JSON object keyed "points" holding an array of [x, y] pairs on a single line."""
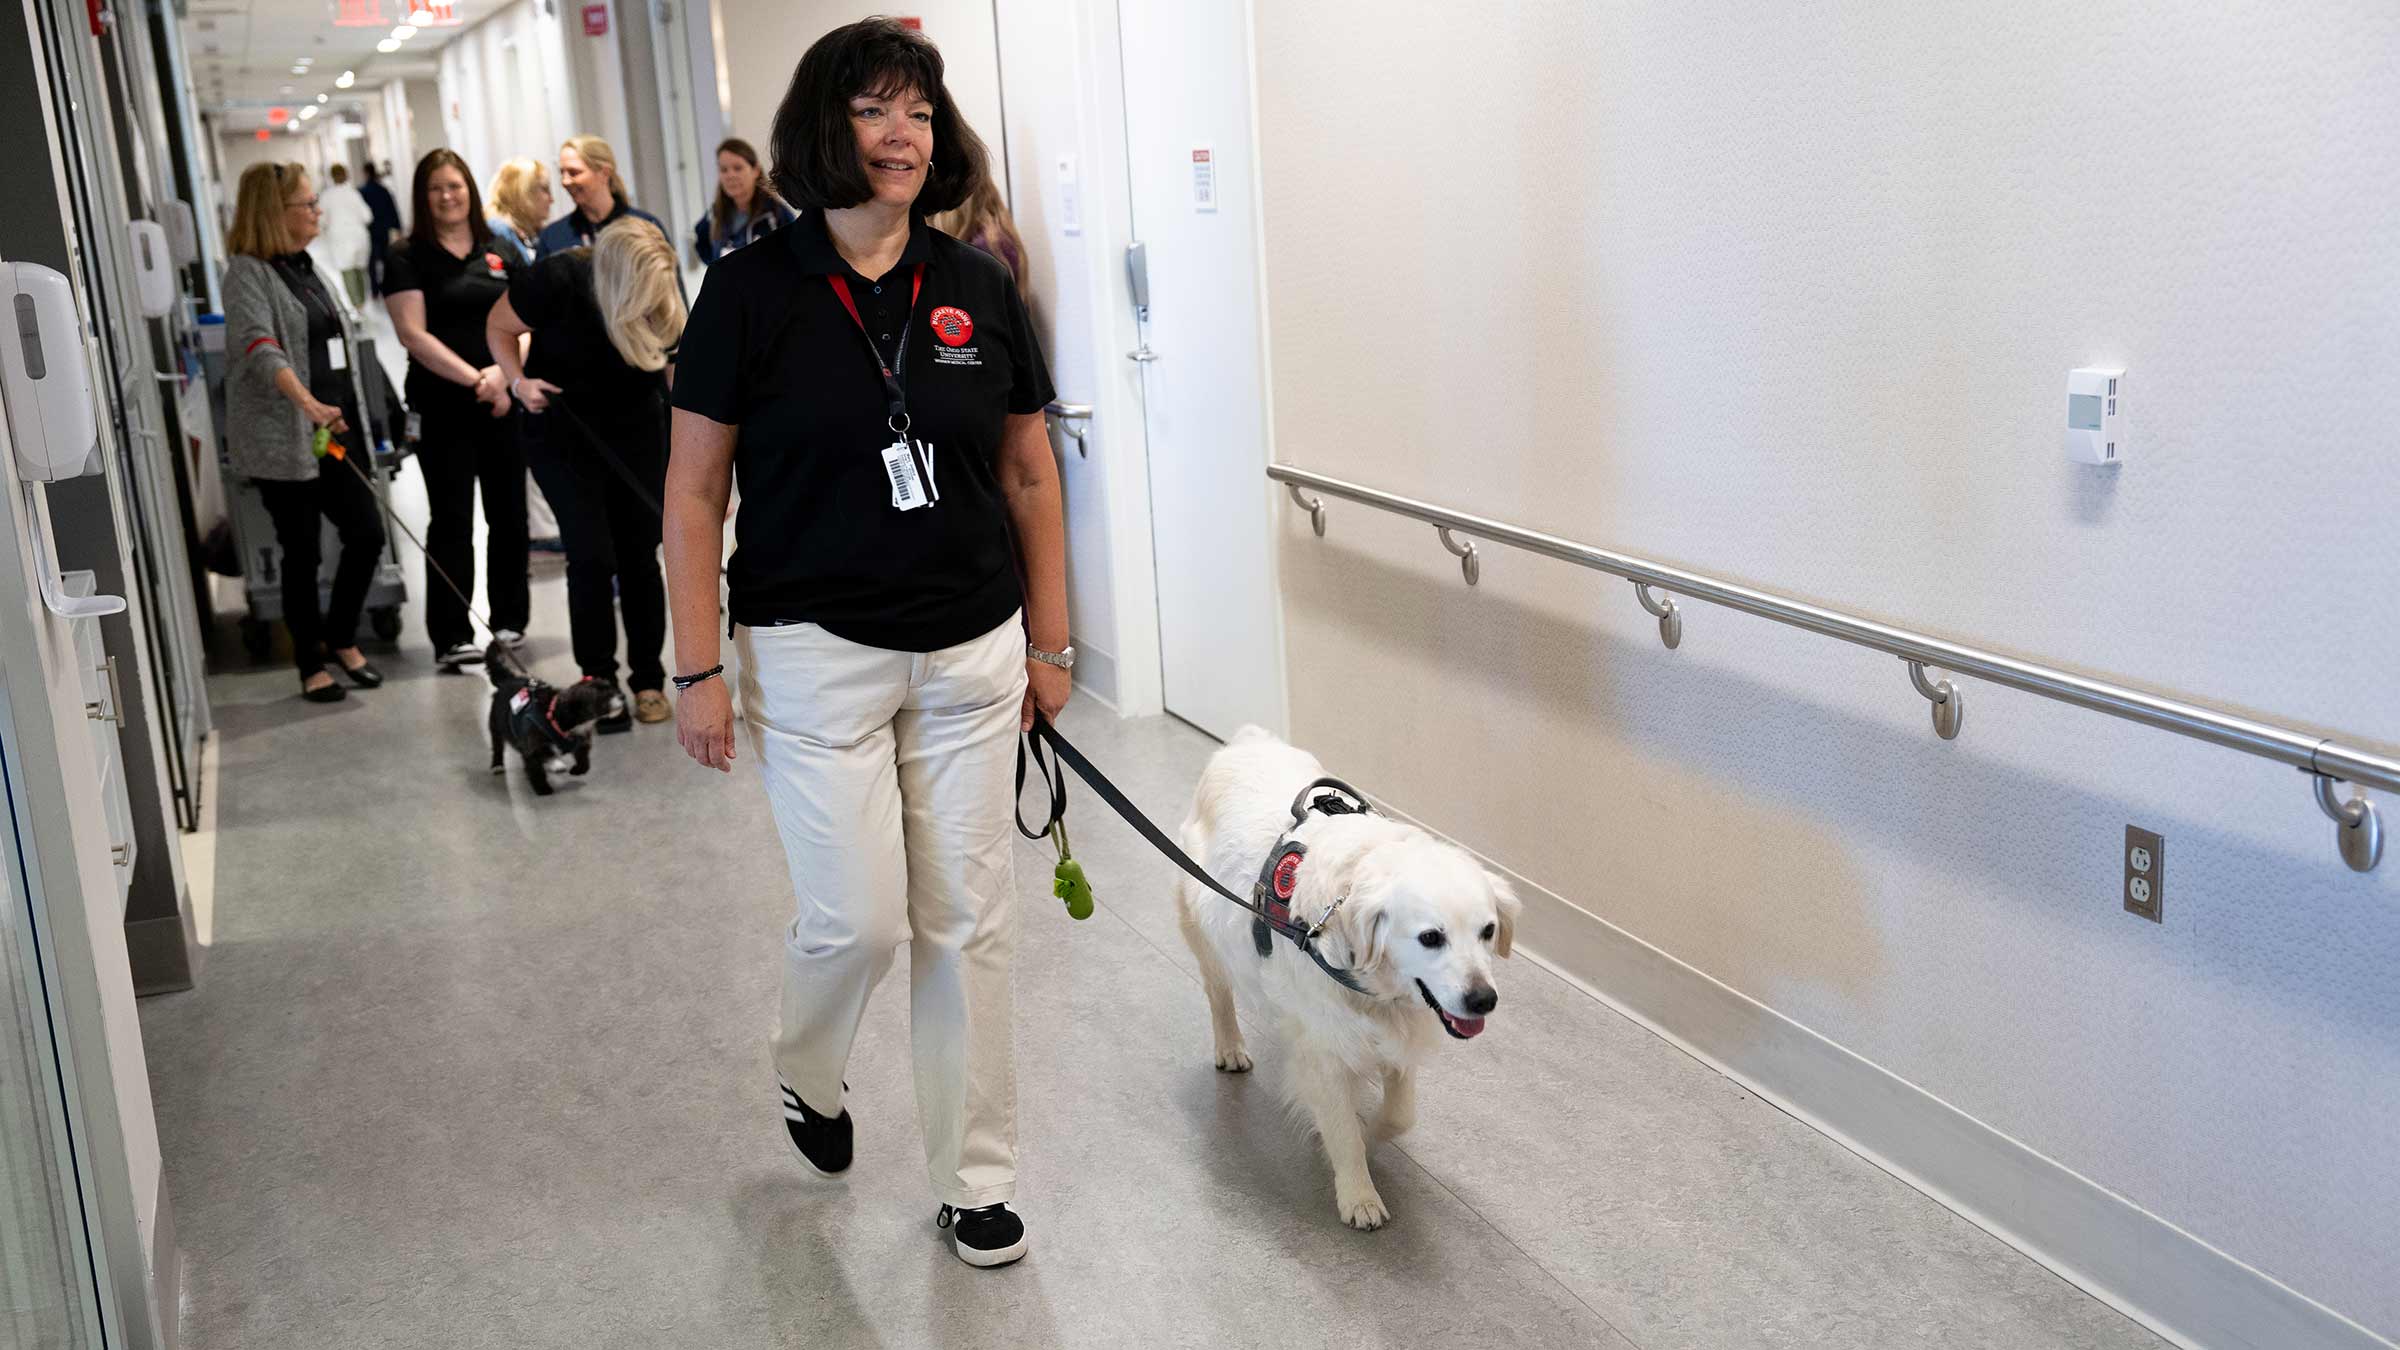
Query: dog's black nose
{"points": [[1482, 999]]}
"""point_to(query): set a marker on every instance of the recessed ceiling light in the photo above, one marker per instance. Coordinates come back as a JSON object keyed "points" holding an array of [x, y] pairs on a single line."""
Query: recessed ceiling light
{"points": [[404, 32], [299, 70], [388, 46], [324, 98], [348, 78]]}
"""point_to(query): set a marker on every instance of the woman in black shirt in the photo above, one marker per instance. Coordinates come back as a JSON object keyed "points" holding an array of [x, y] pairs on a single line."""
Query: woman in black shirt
{"points": [[439, 288], [604, 320], [878, 389]]}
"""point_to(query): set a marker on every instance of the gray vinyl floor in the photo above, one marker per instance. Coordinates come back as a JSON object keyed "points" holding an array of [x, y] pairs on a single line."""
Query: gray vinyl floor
{"points": [[465, 1069]]}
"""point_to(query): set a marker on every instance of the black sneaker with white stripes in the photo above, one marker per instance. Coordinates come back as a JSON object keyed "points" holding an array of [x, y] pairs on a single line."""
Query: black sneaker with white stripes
{"points": [[990, 1236], [823, 1144]]}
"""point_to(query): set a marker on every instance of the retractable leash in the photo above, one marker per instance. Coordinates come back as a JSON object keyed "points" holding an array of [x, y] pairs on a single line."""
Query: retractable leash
{"points": [[1270, 916]]}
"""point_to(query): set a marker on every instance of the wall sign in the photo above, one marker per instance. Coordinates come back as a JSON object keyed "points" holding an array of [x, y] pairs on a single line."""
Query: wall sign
{"points": [[1204, 178], [595, 21]]}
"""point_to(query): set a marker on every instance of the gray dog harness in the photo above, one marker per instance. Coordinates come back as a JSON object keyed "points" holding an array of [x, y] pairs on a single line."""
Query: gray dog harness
{"points": [[1279, 877]]}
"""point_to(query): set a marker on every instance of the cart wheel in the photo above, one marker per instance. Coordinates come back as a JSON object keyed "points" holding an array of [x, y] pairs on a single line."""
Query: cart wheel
{"points": [[257, 639], [386, 622]]}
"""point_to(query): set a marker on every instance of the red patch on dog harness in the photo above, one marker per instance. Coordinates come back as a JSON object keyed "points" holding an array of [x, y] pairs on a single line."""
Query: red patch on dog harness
{"points": [[953, 326], [1287, 876]]}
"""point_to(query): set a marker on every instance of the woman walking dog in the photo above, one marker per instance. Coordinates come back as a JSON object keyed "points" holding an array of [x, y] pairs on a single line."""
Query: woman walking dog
{"points": [[877, 388]]}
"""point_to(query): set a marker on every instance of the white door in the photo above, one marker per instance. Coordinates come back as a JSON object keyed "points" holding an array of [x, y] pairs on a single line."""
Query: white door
{"points": [[1189, 147]]}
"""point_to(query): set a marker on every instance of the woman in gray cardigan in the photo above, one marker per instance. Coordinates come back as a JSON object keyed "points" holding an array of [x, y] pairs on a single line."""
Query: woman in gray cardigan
{"points": [[289, 345]]}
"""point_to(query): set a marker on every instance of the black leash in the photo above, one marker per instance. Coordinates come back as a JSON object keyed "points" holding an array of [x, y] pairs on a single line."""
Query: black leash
{"points": [[430, 561], [1118, 802], [640, 489]]}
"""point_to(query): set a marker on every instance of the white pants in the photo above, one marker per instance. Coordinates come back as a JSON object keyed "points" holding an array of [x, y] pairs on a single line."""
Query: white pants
{"points": [[890, 776]]}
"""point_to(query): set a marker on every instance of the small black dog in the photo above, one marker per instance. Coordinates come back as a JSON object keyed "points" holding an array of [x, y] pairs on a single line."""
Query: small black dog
{"points": [[547, 725]]}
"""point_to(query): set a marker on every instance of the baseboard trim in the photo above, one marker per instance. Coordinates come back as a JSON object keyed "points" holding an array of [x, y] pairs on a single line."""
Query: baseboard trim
{"points": [[1096, 674], [2161, 1276], [166, 1270]]}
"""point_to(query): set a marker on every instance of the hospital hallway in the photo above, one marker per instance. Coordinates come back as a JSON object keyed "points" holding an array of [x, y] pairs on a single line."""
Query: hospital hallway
{"points": [[1844, 554], [466, 1068]]}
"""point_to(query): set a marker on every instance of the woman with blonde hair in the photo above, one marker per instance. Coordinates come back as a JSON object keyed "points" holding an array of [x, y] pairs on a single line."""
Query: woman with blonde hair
{"points": [[520, 204], [983, 221], [288, 343], [587, 169], [605, 322]]}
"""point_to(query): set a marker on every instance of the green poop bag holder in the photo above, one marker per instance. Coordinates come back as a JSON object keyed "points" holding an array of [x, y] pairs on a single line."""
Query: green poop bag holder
{"points": [[1068, 883]]}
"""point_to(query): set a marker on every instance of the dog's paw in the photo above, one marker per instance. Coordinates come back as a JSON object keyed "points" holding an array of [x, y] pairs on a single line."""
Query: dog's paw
{"points": [[1363, 1210], [1390, 1124], [1236, 1060]]}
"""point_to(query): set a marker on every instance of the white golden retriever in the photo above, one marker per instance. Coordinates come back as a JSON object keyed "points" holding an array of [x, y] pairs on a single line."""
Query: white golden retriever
{"points": [[1419, 929]]}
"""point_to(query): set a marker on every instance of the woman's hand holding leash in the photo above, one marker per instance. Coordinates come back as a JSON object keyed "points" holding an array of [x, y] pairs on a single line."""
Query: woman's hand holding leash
{"points": [[534, 393], [1047, 689], [324, 415], [704, 724]]}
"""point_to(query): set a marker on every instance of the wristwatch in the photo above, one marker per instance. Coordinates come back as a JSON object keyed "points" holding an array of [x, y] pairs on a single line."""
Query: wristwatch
{"points": [[1063, 660]]}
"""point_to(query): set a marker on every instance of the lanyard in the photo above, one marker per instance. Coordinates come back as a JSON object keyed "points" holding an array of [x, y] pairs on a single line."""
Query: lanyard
{"points": [[894, 394]]}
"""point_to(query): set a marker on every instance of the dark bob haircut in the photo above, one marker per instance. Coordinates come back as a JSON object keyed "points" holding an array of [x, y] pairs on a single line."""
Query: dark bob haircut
{"points": [[816, 152], [422, 229]]}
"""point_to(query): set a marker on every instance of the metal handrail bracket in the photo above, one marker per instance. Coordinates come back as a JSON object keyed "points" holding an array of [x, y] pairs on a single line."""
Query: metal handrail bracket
{"points": [[2329, 760]]}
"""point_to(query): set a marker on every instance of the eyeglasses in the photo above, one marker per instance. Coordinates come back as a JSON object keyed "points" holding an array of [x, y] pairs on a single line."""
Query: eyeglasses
{"points": [[303, 203]]}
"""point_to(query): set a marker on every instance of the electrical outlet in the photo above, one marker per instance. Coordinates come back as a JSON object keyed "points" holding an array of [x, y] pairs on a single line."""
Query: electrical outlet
{"points": [[2145, 874]]}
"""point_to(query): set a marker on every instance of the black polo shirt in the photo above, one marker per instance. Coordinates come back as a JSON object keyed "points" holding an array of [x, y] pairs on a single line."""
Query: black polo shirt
{"points": [[570, 341], [459, 295], [771, 350]]}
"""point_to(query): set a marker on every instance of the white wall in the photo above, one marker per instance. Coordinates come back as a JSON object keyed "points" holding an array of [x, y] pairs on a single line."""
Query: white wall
{"points": [[1790, 294], [504, 91]]}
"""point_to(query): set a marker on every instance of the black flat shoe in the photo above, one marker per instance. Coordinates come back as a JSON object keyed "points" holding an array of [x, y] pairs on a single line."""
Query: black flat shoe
{"points": [[364, 675], [332, 693]]}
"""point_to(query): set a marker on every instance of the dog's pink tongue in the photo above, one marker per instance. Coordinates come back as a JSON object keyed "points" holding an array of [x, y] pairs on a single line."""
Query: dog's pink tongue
{"points": [[1469, 1027]]}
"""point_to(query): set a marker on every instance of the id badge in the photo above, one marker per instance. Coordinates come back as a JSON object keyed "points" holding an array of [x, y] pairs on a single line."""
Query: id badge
{"points": [[911, 479], [337, 355]]}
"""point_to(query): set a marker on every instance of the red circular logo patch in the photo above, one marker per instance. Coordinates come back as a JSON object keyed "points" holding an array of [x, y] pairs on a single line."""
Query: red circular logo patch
{"points": [[492, 261], [1287, 873], [953, 326]]}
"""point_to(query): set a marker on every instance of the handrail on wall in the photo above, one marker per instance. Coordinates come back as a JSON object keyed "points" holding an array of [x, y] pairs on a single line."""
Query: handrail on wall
{"points": [[2358, 829]]}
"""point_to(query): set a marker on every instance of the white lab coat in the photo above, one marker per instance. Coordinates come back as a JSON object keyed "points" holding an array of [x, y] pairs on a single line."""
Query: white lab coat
{"points": [[343, 240]]}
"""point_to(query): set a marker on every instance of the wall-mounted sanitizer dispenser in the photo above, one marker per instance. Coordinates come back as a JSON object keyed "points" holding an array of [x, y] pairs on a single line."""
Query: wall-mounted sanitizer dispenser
{"points": [[183, 233], [52, 433], [153, 268]]}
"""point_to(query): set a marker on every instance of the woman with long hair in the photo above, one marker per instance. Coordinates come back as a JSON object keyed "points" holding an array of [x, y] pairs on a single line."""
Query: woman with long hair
{"points": [[746, 208], [605, 321], [289, 343], [899, 599], [984, 222], [587, 169], [439, 287], [520, 205]]}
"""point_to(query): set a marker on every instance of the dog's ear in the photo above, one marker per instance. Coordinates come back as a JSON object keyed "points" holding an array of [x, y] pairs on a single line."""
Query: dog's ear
{"points": [[1510, 906], [1357, 937]]}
